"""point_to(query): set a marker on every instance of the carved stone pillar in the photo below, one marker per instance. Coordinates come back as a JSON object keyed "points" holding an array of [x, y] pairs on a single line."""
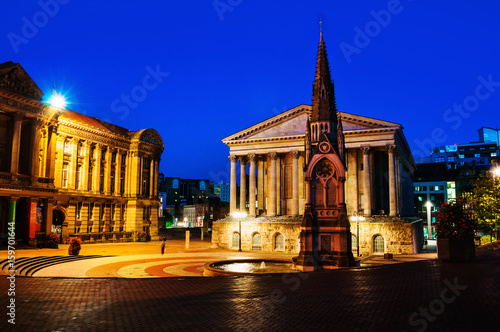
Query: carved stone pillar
{"points": [[118, 171], [243, 183], [84, 170], [152, 177], [50, 161], [232, 185], [392, 181], [96, 179], [272, 185], [16, 144], [260, 185], [367, 208], [295, 183], [107, 171], [251, 188], [73, 164], [36, 127]]}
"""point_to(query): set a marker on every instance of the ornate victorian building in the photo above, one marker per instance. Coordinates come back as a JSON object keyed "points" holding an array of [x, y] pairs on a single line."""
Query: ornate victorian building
{"points": [[68, 173], [378, 181]]}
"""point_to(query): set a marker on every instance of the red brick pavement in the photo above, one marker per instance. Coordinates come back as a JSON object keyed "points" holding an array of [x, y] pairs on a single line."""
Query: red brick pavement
{"points": [[435, 296]]}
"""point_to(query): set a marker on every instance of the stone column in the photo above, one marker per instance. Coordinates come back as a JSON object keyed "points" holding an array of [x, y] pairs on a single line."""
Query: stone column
{"points": [[96, 179], [50, 162], [232, 185], [295, 183], [118, 172], [73, 164], [243, 183], [47, 215], [260, 185], [16, 144], [84, 170], [251, 189], [157, 176], [44, 149], [134, 169], [352, 192], [107, 171], [367, 208], [35, 150], [152, 177], [272, 195], [392, 181]]}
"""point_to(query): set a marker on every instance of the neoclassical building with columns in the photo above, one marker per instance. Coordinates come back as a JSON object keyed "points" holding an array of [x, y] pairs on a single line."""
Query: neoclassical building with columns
{"points": [[67, 173], [271, 158]]}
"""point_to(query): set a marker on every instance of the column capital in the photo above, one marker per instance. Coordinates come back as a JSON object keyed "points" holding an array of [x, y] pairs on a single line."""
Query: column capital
{"points": [[365, 149], [273, 155], [295, 154], [233, 158], [17, 116], [391, 148], [242, 160], [252, 157]]}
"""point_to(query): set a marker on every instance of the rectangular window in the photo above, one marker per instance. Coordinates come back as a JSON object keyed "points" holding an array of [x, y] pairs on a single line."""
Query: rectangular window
{"points": [[113, 157], [101, 211], [79, 210], [66, 147], [123, 158], [477, 155], [425, 188], [89, 180], [112, 211], [101, 180], [122, 212], [91, 211], [77, 176], [65, 176], [112, 184]]}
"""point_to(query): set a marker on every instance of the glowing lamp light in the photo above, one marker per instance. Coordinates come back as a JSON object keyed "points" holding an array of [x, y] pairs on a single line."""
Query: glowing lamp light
{"points": [[57, 101], [496, 171], [239, 214]]}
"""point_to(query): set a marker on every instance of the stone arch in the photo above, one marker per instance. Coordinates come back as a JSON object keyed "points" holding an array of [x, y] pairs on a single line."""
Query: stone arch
{"points": [[235, 239], [378, 244], [278, 242]]}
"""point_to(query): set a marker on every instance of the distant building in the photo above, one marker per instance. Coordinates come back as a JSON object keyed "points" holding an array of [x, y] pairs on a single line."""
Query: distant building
{"points": [[221, 190], [487, 134]]}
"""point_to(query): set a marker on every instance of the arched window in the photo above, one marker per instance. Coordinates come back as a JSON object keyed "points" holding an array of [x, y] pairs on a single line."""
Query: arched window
{"points": [[279, 242], [354, 244], [175, 184], [256, 242], [378, 244], [236, 240], [202, 185]]}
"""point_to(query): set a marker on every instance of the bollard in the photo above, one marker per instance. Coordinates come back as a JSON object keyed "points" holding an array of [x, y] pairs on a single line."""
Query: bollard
{"points": [[202, 234], [187, 239]]}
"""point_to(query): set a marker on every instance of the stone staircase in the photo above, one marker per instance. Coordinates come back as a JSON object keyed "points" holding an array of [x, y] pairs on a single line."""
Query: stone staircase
{"points": [[27, 266]]}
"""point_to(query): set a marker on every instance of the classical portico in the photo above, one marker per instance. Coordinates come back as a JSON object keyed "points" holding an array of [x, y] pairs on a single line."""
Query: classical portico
{"points": [[379, 164]]}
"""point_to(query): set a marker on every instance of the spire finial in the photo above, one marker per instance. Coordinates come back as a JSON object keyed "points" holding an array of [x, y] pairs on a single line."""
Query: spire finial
{"points": [[320, 24]]}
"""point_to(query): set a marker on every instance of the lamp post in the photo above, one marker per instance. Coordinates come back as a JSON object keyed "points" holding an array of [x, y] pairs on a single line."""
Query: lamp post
{"points": [[239, 215], [429, 224], [357, 217]]}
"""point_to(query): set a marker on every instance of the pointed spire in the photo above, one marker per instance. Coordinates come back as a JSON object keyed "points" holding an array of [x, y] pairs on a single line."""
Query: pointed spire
{"points": [[324, 107]]}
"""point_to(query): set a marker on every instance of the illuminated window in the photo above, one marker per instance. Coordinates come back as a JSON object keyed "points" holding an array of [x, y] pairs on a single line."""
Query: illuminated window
{"points": [[79, 210], [101, 211], [66, 147], [175, 184], [65, 176], [236, 240], [279, 242], [354, 243], [202, 185], [77, 177], [256, 242], [378, 244]]}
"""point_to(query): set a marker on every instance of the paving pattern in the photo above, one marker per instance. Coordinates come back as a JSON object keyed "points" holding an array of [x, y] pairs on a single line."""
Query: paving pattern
{"points": [[418, 296]]}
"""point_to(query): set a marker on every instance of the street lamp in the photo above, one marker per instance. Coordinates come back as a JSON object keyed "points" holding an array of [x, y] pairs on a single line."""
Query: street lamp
{"points": [[429, 225], [357, 217], [239, 215]]}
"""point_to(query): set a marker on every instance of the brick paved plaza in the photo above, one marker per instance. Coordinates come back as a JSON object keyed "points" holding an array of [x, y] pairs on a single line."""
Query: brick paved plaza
{"points": [[422, 295]]}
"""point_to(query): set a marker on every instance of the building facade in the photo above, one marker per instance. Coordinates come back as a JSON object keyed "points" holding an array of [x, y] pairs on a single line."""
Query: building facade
{"points": [[67, 173], [378, 180]]}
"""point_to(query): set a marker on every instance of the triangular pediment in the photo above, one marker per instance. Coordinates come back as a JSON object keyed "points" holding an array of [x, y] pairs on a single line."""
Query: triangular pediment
{"points": [[292, 123], [14, 78]]}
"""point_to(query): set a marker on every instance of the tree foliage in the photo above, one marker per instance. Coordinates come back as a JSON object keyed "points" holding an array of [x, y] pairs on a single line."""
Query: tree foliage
{"points": [[485, 200]]}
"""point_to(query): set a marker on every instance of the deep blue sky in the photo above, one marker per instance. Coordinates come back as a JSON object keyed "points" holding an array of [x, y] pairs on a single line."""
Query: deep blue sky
{"points": [[230, 69]]}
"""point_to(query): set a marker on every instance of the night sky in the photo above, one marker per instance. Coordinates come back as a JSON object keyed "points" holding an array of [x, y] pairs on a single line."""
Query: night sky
{"points": [[198, 71]]}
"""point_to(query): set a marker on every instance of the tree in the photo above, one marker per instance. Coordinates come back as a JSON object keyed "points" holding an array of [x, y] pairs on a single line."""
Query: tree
{"points": [[485, 200], [168, 219]]}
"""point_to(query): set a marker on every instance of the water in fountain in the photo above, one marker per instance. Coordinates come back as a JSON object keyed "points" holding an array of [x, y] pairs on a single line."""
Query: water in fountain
{"points": [[263, 265]]}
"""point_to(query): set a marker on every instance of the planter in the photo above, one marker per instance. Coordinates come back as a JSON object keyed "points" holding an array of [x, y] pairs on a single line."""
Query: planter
{"points": [[52, 245], [74, 252], [143, 240], [455, 250]]}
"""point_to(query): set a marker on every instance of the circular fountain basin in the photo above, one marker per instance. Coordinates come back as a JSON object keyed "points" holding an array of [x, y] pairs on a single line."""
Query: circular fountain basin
{"points": [[245, 267]]}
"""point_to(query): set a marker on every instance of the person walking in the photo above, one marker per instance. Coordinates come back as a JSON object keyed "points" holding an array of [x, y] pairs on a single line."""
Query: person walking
{"points": [[163, 244]]}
